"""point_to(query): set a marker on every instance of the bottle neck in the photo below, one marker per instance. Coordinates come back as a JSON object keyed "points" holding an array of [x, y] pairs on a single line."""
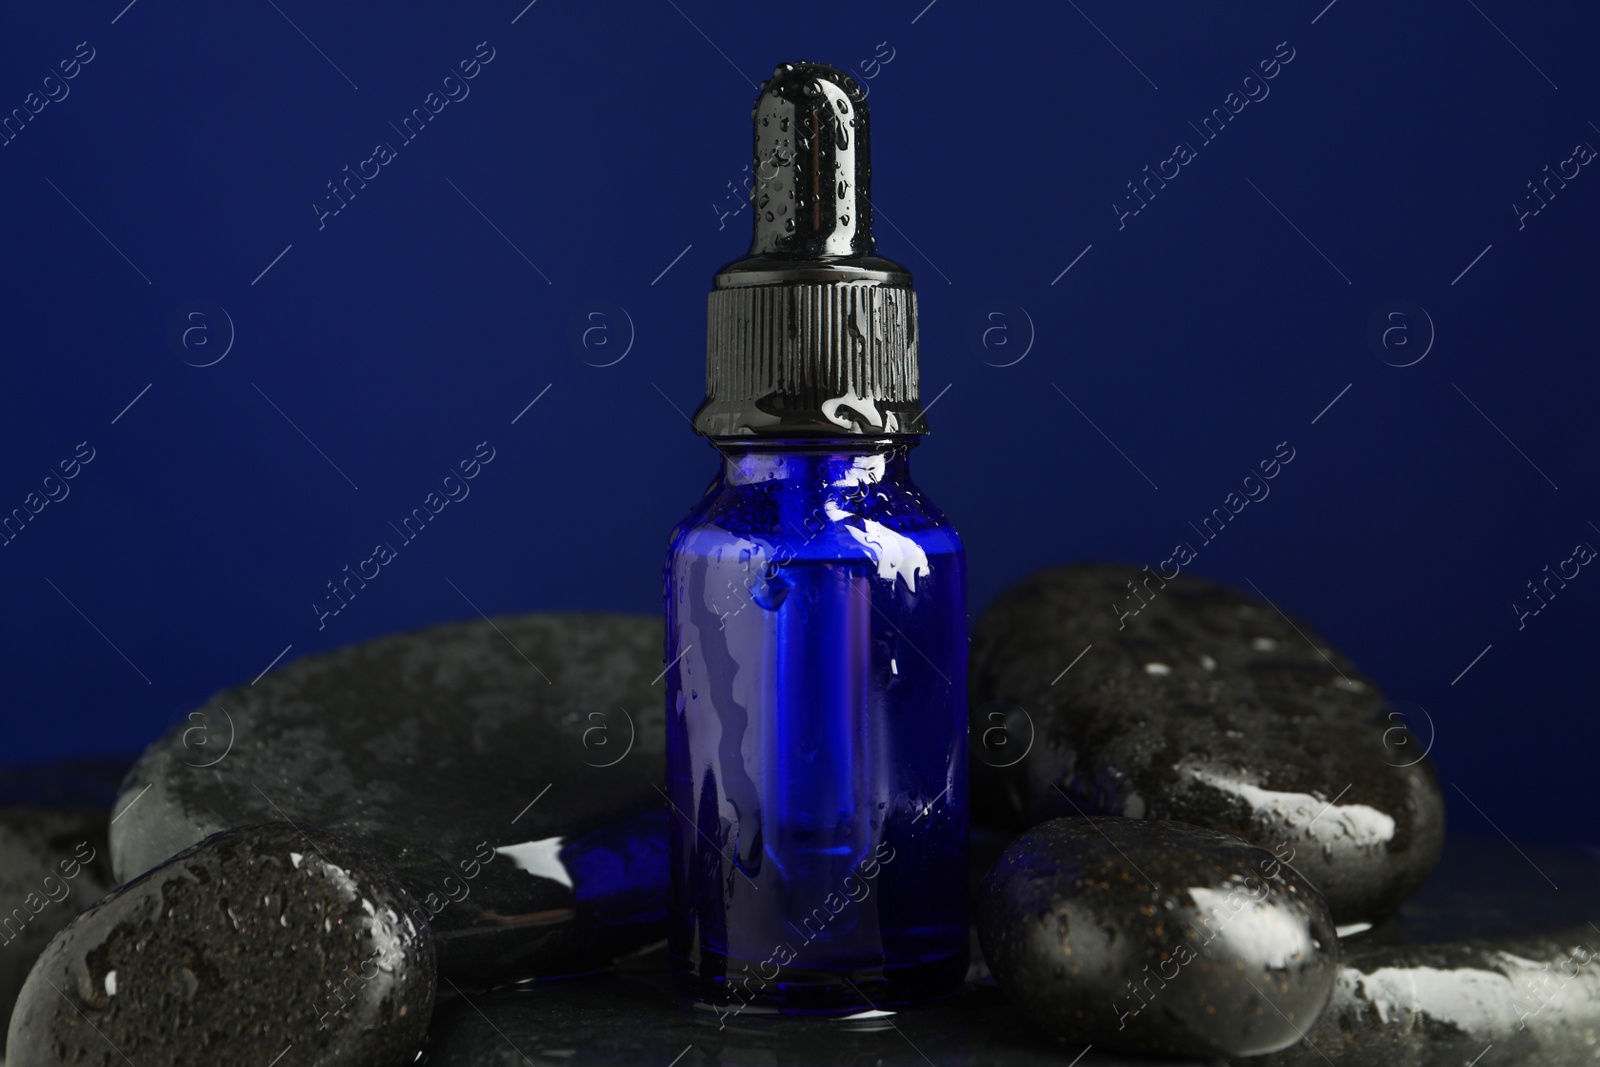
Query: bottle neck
{"points": [[842, 461]]}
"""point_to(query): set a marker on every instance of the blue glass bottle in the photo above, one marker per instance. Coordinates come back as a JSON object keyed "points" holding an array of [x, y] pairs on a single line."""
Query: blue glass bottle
{"points": [[816, 613]]}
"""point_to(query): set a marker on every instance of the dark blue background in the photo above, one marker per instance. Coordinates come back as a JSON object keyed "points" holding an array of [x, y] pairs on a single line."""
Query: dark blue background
{"points": [[604, 140]]}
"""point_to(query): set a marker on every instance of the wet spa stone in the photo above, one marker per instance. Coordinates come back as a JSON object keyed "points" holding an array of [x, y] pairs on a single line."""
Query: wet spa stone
{"points": [[1194, 702], [506, 771], [1142, 935], [1528, 1001], [253, 943], [54, 863]]}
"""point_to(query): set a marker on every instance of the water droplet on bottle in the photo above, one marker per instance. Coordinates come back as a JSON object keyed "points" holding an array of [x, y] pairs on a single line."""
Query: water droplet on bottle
{"points": [[771, 593]]}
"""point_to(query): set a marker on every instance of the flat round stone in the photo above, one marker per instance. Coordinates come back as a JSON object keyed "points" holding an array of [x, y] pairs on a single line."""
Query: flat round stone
{"points": [[507, 771], [262, 941], [1187, 700], [1142, 935]]}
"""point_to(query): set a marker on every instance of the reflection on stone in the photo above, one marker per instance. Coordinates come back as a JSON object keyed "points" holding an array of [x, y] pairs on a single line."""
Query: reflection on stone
{"points": [[451, 753], [1200, 704]]}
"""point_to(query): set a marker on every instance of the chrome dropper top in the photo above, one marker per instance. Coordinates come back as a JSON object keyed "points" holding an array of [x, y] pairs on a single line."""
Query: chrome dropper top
{"points": [[811, 333]]}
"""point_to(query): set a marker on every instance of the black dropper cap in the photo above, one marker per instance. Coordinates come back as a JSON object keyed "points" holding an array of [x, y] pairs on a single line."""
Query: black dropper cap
{"points": [[811, 333]]}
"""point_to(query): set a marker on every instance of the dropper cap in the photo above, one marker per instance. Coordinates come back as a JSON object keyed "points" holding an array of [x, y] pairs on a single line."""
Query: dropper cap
{"points": [[811, 334]]}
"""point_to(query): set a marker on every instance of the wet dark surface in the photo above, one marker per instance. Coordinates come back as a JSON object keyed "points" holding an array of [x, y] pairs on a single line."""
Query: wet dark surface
{"points": [[1141, 935], [1194, 702], [632, 1018], [506, 771], [264, 940], [54, 863]]}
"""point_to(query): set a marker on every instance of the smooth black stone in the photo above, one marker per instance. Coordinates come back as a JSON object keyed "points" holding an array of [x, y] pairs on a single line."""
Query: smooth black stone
{"points": [[1528, 1002], [434, 749], [54, 863], [1445, 989], [1209, 707], [633, 1019], [267, 940], [1142, 935]]}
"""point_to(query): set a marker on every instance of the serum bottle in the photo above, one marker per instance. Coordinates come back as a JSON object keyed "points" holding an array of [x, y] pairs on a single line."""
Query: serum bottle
{"points": [[816, 612]]}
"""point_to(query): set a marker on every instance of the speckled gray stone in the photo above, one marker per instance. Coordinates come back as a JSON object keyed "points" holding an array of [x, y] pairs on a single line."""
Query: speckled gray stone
{"points": [[1141, 935], [266, 941], [54, 863], [1198, 703], [507, 772]]}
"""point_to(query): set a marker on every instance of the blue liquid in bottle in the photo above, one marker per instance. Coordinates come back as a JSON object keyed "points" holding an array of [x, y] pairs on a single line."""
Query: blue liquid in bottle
{"points": [[816, 733]]}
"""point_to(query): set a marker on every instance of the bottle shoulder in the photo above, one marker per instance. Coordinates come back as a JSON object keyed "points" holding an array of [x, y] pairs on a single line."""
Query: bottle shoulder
{"points": [[816, 518]]}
